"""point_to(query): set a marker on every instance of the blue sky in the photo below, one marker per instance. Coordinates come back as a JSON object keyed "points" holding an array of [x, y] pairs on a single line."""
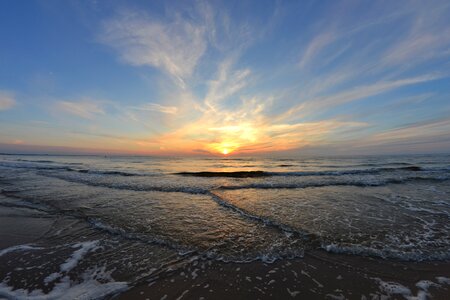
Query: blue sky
{"points": [[210, 77]]}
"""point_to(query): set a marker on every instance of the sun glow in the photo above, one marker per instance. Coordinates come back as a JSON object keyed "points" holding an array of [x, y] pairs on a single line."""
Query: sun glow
{"points": [[231, 138]]}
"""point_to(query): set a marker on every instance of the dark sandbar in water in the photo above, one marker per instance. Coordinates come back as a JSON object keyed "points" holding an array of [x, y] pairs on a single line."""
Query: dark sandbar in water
{"points": [[239, 174]]}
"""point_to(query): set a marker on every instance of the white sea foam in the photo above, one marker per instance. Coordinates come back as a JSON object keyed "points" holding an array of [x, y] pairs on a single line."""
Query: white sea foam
{"points": [[90, 288], [18, 248], [391, 288], [96, 282], [72, 261], [386, 252], [85, 247], [293, 293], [443, 280]]}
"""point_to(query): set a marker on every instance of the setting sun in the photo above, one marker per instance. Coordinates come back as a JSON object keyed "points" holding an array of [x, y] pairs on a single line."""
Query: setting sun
{"points": [[225, 151]]}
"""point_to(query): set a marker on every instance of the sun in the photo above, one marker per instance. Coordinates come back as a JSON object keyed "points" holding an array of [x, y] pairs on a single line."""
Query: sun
{"points": [[223, 148]]}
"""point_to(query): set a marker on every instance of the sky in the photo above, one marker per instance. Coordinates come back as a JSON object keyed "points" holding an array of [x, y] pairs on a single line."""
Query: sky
{"points": [[225, 78]]}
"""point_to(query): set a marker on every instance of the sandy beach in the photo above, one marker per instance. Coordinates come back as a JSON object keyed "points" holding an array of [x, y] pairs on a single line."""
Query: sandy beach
{"points": [[318, 275]]}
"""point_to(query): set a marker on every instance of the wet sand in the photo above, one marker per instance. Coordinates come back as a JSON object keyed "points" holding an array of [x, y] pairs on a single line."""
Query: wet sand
{"points": [[21, 226], [319, 275]]}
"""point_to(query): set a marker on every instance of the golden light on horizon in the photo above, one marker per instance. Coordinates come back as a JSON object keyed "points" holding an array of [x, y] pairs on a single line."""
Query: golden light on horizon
{"points": [[224, 148], [219, 136], [231, 138]]}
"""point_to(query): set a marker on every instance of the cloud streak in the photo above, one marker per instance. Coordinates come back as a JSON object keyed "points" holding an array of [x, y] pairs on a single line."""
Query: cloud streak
{"points": [[316, 45], [354, 94], [157, 108], [86, 109], [174, 47], [7, 100]]}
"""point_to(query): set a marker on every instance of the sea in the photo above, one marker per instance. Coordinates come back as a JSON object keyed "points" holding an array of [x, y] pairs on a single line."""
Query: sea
{"points": [[130, 217]]}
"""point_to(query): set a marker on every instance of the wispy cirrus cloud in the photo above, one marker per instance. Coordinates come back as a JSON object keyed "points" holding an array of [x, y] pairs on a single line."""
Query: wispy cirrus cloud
{"points": [[157, 108], [174, 46], [427, 38], [84, 108], [318, 43], [432, 135], [353, 94], [7, 100], [415, 130], [227, 83]]}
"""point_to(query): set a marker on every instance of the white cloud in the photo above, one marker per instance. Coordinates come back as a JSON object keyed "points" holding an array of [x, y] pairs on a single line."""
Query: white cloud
{"points": [[362, 92], [227, 83], [174, 47], [357, 93], [7, 100], [427, 38], [315, 46], [423, 129], [157, 107], [429, 135]]}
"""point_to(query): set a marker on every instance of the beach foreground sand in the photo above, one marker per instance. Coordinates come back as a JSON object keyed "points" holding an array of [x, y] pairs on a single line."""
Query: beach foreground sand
{"points": [[319, 275]]}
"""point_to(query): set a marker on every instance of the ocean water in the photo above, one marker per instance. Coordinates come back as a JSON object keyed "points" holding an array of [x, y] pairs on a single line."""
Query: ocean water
{"points": [[136, 216]]}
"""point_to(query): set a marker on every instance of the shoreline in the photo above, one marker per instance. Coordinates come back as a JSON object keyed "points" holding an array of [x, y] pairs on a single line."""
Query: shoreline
{"points": [[318, 275]]}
